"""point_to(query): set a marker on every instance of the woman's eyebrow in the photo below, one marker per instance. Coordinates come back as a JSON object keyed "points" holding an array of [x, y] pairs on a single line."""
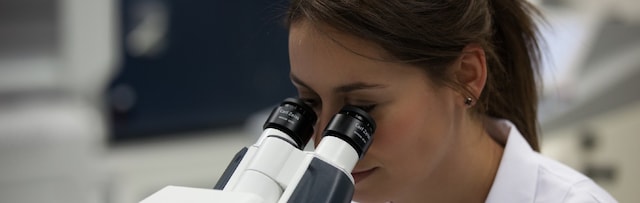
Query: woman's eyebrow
{"points": [[343, 88], [297, 81], [357, 86]]}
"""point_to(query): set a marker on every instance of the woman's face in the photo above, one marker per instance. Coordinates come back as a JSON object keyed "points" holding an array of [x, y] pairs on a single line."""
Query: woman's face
{"points": [[415, 119]]}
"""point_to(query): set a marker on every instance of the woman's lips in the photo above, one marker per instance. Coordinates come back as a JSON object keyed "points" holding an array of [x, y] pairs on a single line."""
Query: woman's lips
{"points": [[360, 175]]}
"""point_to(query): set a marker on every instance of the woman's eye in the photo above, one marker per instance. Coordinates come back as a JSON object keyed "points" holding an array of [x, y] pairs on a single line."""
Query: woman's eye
{"points": [[313, 103], [367, 108]]}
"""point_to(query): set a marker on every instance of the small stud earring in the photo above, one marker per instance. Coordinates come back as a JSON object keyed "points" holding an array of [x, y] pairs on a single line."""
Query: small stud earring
{"points": [[468, 101]]}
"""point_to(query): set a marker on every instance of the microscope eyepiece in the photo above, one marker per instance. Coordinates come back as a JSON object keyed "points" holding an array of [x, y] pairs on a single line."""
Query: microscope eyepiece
{"points": [[354, 126], [294, 118]]}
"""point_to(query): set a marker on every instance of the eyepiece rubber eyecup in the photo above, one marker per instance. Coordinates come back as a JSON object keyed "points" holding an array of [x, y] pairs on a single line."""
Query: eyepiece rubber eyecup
{"points": [[295, 118], [353, 125]]}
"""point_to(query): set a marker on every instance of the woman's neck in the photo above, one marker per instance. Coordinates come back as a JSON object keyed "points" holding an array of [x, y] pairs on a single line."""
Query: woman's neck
{"points": [[467, 172]]}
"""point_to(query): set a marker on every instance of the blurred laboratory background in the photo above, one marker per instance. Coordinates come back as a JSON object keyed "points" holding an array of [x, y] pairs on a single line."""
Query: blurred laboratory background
{"points": [[108, 101]]}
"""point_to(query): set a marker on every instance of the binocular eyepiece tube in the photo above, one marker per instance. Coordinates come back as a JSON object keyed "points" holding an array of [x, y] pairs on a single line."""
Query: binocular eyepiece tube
{"points": [[346, 138], [276, 168]]}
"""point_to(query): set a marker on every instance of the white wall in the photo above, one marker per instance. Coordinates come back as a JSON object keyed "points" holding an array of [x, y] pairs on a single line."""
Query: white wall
{"points": [[137, 170], [618, 135]]}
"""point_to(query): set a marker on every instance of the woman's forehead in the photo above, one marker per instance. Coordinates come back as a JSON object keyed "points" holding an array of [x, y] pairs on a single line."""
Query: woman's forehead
{"points": [[305, 33]]}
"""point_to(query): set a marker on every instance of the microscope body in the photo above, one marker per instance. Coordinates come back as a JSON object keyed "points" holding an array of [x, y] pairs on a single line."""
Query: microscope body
{"points": [[276, 170], [279, 172]]}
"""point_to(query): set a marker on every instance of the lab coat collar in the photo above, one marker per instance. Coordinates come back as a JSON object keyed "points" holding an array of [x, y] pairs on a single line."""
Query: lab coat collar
{"points": [[517, 175]]}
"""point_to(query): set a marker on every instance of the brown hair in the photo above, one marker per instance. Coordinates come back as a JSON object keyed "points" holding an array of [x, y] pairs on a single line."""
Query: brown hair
{"points": [[432, 34]]}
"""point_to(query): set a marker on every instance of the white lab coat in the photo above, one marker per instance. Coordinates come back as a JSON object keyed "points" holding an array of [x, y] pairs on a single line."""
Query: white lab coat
{"points": [[526, 176]]}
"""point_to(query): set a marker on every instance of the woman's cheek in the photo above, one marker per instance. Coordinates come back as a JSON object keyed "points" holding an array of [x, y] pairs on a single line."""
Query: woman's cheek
{"points": [[392, 131]]}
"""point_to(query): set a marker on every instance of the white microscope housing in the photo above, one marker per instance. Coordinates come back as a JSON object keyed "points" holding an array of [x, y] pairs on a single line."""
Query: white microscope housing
{"points": [[276, 169]]}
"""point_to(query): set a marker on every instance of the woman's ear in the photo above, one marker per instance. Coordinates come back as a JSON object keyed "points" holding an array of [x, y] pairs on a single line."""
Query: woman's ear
{"points": [[471, 70]]}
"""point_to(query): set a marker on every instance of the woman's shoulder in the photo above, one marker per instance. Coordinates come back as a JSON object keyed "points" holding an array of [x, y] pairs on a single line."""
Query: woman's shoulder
{"points": [[524, 175]]}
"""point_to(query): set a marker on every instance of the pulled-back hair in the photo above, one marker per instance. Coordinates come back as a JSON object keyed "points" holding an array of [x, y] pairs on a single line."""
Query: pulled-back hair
{"points": [[432, 34]]}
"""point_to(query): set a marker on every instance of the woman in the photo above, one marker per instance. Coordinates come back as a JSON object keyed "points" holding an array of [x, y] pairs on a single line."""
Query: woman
{"points": [[451, 85]]}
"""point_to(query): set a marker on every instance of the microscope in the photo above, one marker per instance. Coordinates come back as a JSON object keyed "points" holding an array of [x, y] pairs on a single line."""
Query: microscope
{"points": [[276, 169]]}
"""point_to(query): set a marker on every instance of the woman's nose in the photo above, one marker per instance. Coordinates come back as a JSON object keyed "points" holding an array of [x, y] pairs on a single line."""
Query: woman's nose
{"points": [[318, 129], [323, 120]]}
